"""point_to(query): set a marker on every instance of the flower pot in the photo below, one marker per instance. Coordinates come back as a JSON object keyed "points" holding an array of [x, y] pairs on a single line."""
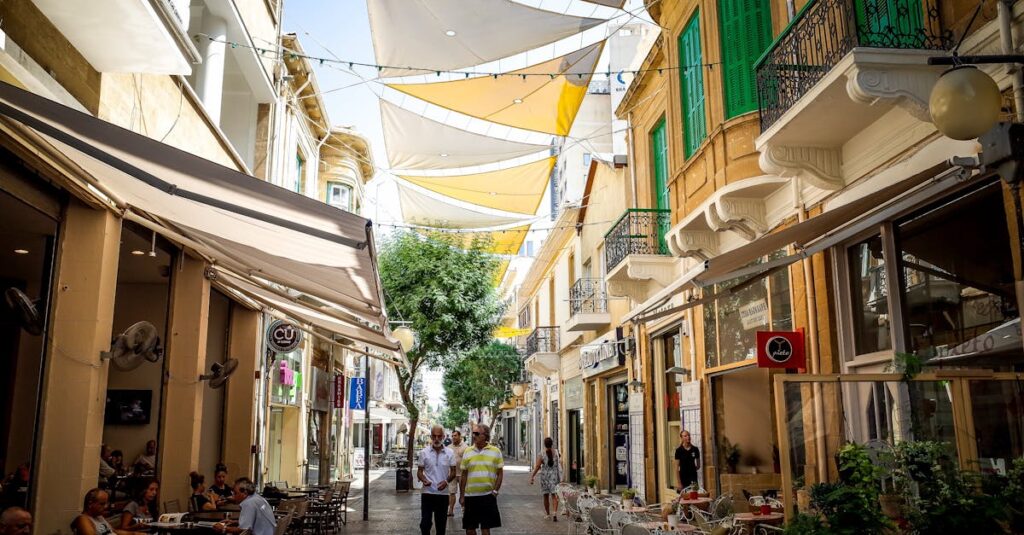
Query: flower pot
{"points": [[673, 521], [892, 505], [803, 500], [592, 491], [627, 502]]}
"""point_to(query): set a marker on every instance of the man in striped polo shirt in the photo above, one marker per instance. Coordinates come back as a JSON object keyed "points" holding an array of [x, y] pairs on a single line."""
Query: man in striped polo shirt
{"points": [[482, 472]]}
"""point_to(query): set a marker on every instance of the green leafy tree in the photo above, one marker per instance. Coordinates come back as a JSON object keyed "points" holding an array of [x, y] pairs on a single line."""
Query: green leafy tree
{"points": [[482, 379], [444, 286], [454, 417]]}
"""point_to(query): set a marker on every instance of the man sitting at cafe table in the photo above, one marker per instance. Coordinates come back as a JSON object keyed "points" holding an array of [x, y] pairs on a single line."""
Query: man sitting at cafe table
{"points": [[257, 515]]}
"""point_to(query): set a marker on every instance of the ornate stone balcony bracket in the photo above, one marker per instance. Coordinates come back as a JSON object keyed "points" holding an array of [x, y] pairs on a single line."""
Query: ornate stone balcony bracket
{"points": [[701, 244], [906, 86], [818, 166], [639, 276]]}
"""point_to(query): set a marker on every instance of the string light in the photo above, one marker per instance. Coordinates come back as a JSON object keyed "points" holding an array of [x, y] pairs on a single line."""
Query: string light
{"points": [[419, 70]]}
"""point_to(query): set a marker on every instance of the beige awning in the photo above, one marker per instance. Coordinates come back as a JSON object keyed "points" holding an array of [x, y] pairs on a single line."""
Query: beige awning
{"points": [[252, 228]]}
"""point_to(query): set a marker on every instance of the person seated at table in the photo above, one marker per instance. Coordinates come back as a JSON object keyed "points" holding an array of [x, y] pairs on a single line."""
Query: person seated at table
{"points": [[15, 486], [221, 487], [117, 463], [143, 509], [257, 515], [200, 499], [145, 463], [92, 521], [15, 521], [106, 471]]}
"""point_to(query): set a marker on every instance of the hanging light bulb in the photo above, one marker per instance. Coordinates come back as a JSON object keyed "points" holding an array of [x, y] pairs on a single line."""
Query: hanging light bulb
{"points": [[964, 103], [406, 338]]}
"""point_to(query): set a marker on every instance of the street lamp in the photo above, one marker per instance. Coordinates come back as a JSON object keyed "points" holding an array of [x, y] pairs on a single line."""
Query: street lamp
{"points": [[518, 389], [965, 103], [406, 338]]}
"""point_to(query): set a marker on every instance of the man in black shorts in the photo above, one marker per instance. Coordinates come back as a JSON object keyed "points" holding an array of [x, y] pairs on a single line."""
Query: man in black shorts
{"points": [[687, 461], [482, 472]]}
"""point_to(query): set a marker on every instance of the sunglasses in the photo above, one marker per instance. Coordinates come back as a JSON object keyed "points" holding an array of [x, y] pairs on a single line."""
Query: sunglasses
{"points": [[478, 433]]}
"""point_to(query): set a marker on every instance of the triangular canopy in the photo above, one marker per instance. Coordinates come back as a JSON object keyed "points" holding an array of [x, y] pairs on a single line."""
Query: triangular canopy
{"points": [[516, 189], [432, 35], [540, 103], [415, 142], [423, 207], [504, 242]]}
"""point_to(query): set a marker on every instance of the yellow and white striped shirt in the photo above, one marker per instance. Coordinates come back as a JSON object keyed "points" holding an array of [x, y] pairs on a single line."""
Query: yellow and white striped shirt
{"points": [[481, 469]]}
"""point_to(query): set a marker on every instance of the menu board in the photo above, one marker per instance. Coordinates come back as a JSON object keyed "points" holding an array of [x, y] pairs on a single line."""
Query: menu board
{"points": [[620, 433]]}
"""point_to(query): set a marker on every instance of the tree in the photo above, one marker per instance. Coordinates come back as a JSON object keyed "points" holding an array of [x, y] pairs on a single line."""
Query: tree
{"points": [[444, 287], [454, 417], [482, 379]]}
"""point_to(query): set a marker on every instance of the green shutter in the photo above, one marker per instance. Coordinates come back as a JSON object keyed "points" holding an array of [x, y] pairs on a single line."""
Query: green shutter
{"points": [[659, 155], [746, 30], [691, 84]]}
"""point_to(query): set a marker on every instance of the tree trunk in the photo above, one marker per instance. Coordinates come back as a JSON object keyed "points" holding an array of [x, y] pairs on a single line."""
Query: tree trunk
{"points": [[405, 382], [410, 450]]}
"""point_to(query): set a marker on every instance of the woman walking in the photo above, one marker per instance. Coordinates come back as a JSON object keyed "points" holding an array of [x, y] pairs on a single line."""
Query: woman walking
{"points": [[550, 467]]}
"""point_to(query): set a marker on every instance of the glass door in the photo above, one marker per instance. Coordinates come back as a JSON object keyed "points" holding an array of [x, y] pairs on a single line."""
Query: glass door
{"points": [[575, 438], [276, 434]]}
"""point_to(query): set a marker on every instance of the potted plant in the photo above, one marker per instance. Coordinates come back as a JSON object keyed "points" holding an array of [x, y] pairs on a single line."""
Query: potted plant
{"points": [[731, 454], [591, 483], [627, 497], [753, 460]]}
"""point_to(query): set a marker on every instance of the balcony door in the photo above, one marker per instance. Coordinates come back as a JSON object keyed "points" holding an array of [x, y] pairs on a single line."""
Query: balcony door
{"points": [[659, 154], [890, 23]]}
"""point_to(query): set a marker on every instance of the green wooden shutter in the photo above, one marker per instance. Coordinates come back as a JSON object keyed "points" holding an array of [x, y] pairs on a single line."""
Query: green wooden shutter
{"points": [[691, 84], [746, 30], [659, 155]]}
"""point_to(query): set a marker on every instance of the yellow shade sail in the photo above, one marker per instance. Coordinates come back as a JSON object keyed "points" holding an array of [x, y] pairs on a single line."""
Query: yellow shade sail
{"points": [[541, 103], [510, 332], [499, 275], [516, 189], [502, 242]]}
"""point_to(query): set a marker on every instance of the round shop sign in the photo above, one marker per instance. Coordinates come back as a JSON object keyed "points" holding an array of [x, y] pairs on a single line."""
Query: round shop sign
{"points": [[778, 349], [283, 336]]}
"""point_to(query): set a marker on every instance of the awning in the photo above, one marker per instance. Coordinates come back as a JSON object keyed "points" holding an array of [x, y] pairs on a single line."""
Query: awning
{"points": [[515, 189], [421, 206], [810, 237], [381, 415], [242, 224]]}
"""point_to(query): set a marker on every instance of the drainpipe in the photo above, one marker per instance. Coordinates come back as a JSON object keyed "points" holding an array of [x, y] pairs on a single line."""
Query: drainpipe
{"points": [[812, 339], [1005, 14]]}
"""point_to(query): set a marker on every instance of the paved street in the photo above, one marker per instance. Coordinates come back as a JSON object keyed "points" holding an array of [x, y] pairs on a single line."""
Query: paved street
{"points": [[522, 508]]}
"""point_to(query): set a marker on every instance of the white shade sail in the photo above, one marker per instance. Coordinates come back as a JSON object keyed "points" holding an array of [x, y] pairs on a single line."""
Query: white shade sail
{"points": [[249, 226], [446, 35], [516, 189], [423, 207], [415, 142]]}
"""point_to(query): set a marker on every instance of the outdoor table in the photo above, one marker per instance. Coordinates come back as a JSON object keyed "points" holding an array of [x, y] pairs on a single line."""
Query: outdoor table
{"points": [[751, 518], [680, 528], [700, 503], [303, 490], [180, 529]]}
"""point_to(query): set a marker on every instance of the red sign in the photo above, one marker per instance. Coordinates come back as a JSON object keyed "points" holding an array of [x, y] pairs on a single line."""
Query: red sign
{"points": [[780, 349], [339, 391]]}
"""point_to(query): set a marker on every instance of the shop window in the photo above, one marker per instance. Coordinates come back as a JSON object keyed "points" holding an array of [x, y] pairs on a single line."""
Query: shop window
{"points": [[996, 408], [957, 281], [869, 297], [732, 321]]}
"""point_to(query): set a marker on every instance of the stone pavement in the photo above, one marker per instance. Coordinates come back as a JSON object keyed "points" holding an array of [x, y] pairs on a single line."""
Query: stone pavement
{"points": [[522, 508]]}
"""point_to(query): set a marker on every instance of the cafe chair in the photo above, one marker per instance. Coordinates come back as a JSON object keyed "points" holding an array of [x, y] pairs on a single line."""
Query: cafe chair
{"points": [[283, 522], [600, 523], [172, 506], [636, 529], [765, 529]]}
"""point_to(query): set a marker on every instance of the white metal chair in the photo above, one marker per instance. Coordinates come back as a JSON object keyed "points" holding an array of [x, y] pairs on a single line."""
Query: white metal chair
{"points": [[600, 523]]}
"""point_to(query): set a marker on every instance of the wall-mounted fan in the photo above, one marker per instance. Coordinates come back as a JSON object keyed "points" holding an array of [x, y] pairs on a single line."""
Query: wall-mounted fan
{"points": [[27, 309], [137, 344], [219, 373]]}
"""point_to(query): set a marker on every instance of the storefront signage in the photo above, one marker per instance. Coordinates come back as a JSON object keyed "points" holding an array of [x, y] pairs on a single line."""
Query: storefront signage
{"points": [[283, 337], [780, 349], [574, 393], [320, 394], [357, 387], [754, 314], [339, 391], [598, 357]]}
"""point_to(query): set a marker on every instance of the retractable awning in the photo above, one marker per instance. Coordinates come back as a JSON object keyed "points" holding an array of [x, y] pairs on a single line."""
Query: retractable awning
{"points": [[810, 237], [250, 227]]}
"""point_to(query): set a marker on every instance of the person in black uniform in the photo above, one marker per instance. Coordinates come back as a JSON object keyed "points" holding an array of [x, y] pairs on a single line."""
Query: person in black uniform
{"points": [[687, 461]]}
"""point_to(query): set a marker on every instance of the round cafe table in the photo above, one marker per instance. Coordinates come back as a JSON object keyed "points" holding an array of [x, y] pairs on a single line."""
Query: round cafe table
{"points": [[700, 503], [751, 519]]}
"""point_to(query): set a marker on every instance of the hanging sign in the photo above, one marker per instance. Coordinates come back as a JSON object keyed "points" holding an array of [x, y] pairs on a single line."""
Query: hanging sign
{"points": [[357, 387], [780, 349], [283, 337], [339, 391], [754, 314]]}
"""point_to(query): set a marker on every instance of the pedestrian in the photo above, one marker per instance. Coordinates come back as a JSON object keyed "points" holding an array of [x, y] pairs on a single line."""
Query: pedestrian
{"points": [[458, 448], [687, 461], [482, 473], [549, 464], [436, 471]]}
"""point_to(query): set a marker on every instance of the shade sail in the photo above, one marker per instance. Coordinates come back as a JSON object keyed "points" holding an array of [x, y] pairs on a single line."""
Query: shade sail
{"points": [[252, 226], [502, 242], [516, 189], [417, 143], [609, 3], [446, 35], [539, 103], [423, 207]]}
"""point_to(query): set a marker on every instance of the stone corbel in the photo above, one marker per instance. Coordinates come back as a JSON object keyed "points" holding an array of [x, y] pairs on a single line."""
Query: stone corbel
{"points": [[741, 214], [702, 244], [906, 86], [818, 166], [639, 276]]}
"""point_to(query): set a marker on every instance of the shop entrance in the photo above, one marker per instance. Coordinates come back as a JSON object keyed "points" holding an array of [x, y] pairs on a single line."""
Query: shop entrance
{"points": [[618, 428], [574, 435], [747, 458]]}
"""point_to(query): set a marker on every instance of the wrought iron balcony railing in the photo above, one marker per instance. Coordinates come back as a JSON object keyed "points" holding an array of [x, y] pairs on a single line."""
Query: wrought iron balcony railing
{"points": [[638, 231], [542, 340], [825, 31], [587, 296]]}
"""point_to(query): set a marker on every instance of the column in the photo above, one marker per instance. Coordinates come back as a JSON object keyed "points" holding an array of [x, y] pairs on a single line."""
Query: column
{"points": [[239, 400], [75, 379], [210, 74], [182, 411]]}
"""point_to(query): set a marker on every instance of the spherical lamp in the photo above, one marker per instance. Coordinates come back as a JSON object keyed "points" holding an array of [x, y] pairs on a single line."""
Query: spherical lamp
{"points": [[518, 389], [405, 338], [964, 103]]}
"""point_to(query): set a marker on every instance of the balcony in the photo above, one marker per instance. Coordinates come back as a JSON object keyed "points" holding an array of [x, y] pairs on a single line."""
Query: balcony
{"points": [[542, 351], [588, 306], [636, 254], [838, 67]]}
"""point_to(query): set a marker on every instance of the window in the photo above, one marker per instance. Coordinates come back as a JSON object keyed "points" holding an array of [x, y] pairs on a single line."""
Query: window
{"points": [[732, 321], [300, 173], [572, 269], [746, 29], [691, 86], [339, 195], [869, 296]]}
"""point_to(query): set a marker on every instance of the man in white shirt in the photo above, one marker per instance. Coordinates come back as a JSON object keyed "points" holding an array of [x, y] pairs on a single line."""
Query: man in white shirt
{"points": [[256, 516], [458, 448], [436, 471]]}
